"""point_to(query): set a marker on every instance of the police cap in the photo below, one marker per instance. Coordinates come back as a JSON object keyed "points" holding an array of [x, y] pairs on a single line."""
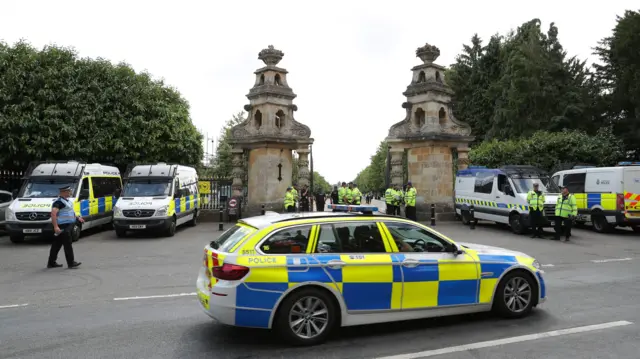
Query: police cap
{"points": [[65, 188]]}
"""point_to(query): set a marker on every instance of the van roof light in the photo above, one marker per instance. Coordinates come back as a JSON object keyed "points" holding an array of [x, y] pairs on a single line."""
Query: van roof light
{"points": [[629, 163]]}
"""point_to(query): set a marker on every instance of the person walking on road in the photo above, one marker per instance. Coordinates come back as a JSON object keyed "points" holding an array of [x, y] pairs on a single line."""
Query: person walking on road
{"points": [[320, 200], [535, 199], [63, 218], [566, 211], [388, 200], [410, 201]]}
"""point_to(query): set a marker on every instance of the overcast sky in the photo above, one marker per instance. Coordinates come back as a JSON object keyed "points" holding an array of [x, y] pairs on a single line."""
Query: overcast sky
{"points": [[348, 61]]}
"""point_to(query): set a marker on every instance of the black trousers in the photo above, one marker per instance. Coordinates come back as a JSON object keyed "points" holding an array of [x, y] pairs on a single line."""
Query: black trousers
{"points": [[291, 209], [536, 221], [62, 240], [410, 212], [391, 209], [563, 227]]}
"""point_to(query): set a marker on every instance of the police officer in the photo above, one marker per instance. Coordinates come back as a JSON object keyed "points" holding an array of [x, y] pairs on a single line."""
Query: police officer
{"points": [[356, 195], [410, 200], [389, 201], [349, 194], [397, 199], [566, 211], [296, 196], [63, 218], [535, 199], [289, 200]]}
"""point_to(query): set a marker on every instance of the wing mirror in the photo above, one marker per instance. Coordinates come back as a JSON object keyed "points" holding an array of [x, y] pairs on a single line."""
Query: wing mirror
{"points": [[457, 250]]}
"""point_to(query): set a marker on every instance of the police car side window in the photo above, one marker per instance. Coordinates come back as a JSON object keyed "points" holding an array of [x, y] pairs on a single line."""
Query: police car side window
{"points": [[418, 238], [362, 237], [287, 241]]}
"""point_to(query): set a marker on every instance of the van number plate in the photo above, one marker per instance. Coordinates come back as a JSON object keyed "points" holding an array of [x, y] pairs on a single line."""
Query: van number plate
{"points": [[33, 230], [138, 226]]}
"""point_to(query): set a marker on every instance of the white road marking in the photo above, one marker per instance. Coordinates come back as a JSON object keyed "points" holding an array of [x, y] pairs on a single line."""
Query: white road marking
{"points": [[13, 306], [519, 339], [158, 296], [548, 265], [611, 260]]}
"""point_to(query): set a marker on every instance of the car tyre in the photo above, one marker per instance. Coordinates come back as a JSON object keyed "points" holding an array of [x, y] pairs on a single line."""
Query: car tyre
{"points": [[121, 233], [16, 238], [171, 231], [194, 221], [306, 317], [75, 233], [600, 224], [516, 295], [515, 222]]}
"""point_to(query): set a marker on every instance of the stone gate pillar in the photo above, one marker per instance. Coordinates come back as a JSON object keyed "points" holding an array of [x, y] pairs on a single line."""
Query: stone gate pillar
{"points": [[237, 163], [270, 133], [396, 172], [429, 132], [303, 166]]}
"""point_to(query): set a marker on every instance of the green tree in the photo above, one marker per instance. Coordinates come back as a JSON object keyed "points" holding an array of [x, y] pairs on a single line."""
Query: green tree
{"points": [[57, 106], [619, 76], [372, 177], [522, 83], [222, 163], [547, 150]]}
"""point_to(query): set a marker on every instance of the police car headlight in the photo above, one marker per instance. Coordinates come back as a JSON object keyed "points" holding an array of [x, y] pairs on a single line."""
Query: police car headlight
{"points": [[536, 264], [117, 212], [162, 211], [9, 215]]}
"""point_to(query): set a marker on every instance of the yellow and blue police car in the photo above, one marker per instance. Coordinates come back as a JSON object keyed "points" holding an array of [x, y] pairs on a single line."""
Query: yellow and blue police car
{"points": [[305, 274]]}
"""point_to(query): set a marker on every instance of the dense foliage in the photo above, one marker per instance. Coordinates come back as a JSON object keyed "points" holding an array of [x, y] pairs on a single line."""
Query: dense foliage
{"points": [[57, 106], [529, 103]]}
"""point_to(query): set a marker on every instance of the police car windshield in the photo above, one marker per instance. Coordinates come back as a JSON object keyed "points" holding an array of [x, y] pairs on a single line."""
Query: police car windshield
{"points": [[524, 185], [45, 187], [147, 188]]}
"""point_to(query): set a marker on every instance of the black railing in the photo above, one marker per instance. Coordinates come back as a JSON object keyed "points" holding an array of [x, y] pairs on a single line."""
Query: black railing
{"points": [[213, 192], [10, 180]]}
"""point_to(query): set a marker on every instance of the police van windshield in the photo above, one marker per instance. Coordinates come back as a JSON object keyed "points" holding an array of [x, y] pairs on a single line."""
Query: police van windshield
{"points": [[147, 188], [45, 187], [524, 185]]}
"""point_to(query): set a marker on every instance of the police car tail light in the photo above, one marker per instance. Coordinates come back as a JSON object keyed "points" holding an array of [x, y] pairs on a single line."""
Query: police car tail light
{"points": [[620, 202], [230, 272]]}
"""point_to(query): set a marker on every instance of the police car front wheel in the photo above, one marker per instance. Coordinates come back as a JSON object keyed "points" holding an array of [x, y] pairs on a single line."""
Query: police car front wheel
{"points": [[516, 295], [306, 317]]}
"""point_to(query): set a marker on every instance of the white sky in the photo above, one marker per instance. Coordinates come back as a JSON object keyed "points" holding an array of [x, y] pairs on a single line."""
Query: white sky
{"points": [[348, 61]]}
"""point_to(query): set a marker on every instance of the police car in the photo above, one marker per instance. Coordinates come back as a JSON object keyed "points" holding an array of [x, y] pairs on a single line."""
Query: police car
{"points": [[304, 274]]}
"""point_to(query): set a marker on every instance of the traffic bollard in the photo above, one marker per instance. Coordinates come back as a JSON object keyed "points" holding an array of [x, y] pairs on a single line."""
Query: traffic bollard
{"points": [[262, 210], [472, 224], [433, 214]]}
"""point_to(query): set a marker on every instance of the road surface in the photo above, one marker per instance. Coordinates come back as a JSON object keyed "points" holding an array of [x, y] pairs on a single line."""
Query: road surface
{"points": [[133, 298]]}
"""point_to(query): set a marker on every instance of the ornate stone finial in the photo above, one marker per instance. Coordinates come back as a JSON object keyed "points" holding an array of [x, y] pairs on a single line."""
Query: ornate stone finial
{"points": [[428, 53], [270, 56]]}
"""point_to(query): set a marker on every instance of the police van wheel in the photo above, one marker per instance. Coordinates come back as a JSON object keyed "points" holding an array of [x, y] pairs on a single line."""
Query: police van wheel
{"points": [[516, 295], [600, 224], [75, 233], [171, 231], [636, 229], [16, 238], [194, 221], [306, 317], [466, 218], [515, 222]]}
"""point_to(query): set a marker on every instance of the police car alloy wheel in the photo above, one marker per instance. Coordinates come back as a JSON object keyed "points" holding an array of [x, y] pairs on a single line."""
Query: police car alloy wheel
{"points": [[306, 317], [516, 295]]}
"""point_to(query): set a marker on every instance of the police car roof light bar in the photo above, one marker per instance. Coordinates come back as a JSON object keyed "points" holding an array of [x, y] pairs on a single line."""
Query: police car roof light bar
{"points": [[629, 163]]}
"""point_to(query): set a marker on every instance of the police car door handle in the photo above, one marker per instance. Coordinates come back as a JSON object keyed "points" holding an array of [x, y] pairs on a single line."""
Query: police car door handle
{"points": [[335, 264], [497, 196], [410, 263]]}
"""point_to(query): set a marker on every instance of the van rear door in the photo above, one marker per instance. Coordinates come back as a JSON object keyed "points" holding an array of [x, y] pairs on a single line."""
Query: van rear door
{"points": [[631, 180]]}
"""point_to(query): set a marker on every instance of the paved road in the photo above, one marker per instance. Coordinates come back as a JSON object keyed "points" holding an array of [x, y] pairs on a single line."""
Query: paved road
{"points": [[62, 313]]}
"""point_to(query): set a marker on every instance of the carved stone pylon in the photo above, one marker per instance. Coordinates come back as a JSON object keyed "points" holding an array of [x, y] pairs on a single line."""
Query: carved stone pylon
{"points": [[303, 166], [237, 171], [396, 166], [270, 133]]}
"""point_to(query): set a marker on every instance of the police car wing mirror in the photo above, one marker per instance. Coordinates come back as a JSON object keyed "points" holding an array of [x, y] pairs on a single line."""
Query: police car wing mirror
{"points": [[457, 250]]}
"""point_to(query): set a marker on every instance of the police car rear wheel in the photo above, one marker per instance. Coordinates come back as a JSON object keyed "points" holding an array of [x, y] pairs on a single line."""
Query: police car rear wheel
{"points": [[515, 296], [306, 317]]}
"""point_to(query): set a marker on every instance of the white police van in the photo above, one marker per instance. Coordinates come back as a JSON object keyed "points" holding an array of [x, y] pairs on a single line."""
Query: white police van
{"points": [[157, 197], [500, 195], [95, 190], [606, 196]]}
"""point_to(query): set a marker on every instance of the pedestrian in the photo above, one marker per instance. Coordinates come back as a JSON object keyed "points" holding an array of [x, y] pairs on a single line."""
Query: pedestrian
{"points": [[289, 200], [320, 200], [63, 218], [535, 199], [388, 199], [566, 211], [410, 201], [304, 199]]}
